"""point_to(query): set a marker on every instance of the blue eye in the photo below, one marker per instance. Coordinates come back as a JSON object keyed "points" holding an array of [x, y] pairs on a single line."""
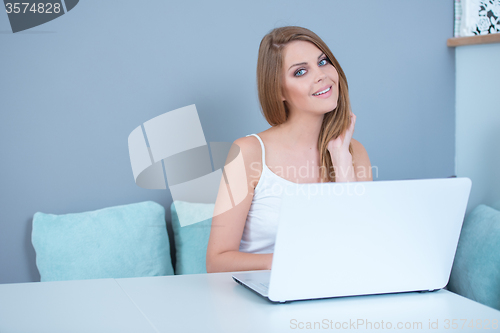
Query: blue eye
{"points": [[299, 71], [302, 71]]}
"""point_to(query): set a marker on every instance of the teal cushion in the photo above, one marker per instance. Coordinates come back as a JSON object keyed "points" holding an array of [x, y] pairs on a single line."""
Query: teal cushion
{"points": [[476, 269], [191, 232], [115, 242]]}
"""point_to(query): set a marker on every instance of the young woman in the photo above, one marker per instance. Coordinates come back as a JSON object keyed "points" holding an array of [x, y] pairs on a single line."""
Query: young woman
{"points": [[304, 97]]}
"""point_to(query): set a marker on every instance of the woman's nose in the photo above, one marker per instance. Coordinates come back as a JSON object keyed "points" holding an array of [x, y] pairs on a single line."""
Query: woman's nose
{"points": [[321, 75]]}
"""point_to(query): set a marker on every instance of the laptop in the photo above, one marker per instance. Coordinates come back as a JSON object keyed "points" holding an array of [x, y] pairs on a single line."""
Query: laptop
{"points": [[363, 238]]}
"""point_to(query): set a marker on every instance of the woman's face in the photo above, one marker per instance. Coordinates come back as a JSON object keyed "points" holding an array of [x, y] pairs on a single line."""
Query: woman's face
{"points": [[310, 82]]}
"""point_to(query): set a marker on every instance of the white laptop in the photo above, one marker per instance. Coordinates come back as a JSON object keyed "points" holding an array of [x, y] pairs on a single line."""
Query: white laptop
{"points": [[362, 238]]}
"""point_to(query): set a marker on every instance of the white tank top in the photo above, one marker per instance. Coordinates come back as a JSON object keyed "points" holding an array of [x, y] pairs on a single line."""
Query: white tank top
{"points": [[261, 224]]}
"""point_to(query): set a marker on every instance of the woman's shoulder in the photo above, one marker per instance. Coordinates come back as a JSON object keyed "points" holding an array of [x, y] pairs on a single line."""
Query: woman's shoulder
{"points": [[250, 149], [251, 144], [356, 143], [361, 161], [358, 148]]}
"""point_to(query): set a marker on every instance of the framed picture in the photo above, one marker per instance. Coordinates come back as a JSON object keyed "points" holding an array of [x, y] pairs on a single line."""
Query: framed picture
{"points": [[477, 17]]}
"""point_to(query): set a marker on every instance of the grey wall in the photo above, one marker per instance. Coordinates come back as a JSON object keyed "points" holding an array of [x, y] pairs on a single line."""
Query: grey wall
{"points": [[478, 122], [74, 88]]}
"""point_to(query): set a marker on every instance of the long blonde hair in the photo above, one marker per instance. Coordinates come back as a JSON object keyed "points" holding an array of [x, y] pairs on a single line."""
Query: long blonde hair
{"points": [[269, 85]]}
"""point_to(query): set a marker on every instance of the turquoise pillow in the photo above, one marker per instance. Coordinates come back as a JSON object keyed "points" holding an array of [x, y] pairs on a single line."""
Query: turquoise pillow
{"points": [[476, 269], [191, 236], [115, 242]]}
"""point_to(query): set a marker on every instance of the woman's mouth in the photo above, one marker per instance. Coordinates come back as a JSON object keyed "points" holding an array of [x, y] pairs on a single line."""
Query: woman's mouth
{"points": [[324, 93]]}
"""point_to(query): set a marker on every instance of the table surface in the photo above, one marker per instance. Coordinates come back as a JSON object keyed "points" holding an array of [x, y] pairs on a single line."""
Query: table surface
{"points": [[215, 303]]}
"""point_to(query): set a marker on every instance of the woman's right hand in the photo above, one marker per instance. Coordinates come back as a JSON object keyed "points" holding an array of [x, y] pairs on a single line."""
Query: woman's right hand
{"points": [[340, 145]]}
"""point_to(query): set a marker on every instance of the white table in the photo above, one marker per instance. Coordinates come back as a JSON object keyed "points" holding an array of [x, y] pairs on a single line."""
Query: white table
{"points": [[69, 306], [215, 303]]}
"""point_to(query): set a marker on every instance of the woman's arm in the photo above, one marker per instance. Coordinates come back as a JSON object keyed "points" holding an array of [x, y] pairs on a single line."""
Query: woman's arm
{"points": [[231, 209]]}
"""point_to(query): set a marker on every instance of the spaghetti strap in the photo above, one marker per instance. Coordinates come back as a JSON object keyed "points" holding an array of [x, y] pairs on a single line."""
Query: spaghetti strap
{"points": [[263, 149]]}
